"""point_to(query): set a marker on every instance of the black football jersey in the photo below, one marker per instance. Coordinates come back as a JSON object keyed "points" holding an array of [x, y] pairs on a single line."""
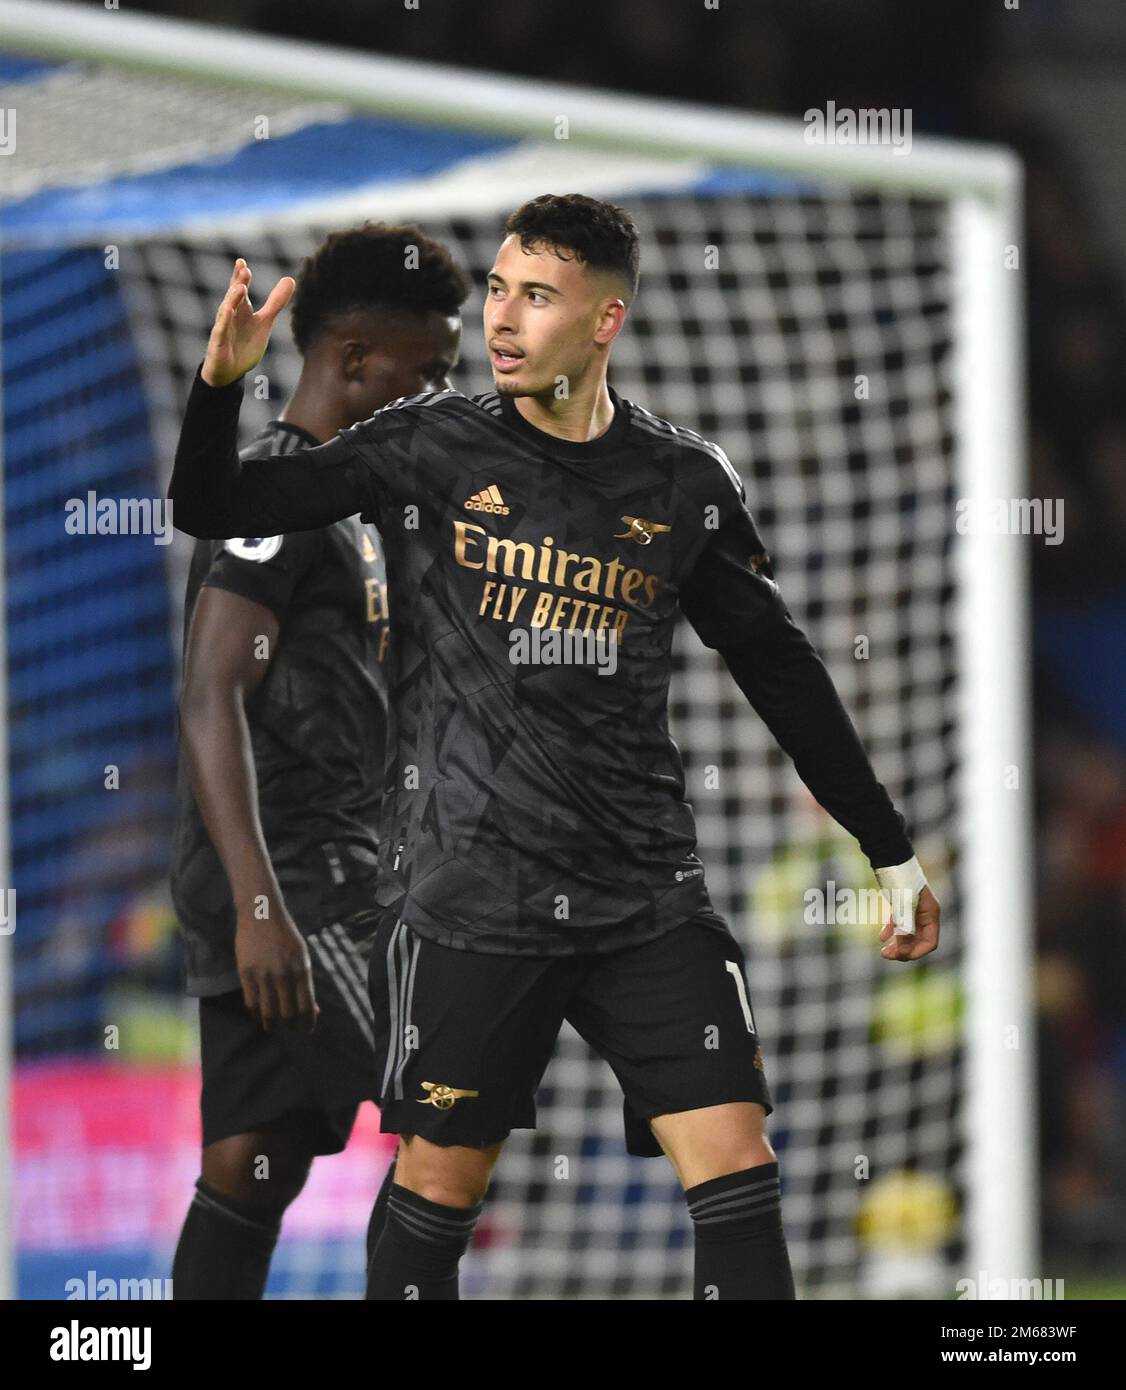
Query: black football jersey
{"points": [[536, 802], [317, 722]]}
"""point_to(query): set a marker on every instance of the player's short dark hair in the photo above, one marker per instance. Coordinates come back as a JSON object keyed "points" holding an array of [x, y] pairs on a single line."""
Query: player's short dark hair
{"points": [[600, 234], [396, 268]]}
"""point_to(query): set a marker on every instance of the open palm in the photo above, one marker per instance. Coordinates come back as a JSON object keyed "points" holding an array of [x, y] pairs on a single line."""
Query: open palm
{"points": [[239, 335]]}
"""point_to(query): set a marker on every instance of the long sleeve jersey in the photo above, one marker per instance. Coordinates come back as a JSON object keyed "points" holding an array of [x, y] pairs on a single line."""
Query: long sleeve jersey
{"points": [[535, 801]]}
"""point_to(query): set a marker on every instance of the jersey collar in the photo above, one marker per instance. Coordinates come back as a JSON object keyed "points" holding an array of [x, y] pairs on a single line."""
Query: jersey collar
{"points": [[297, 430], [605, 444]]}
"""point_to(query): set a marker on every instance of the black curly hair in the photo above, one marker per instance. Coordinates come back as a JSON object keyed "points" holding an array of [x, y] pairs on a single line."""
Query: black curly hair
{"points": [[600, 234], [375, 266]]}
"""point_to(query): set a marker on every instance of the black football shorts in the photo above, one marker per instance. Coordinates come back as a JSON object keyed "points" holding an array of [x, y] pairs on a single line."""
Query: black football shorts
{"points": [[464, 1038], [252, 1078]]}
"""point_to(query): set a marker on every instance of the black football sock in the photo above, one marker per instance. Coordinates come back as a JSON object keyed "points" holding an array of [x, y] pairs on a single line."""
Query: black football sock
{"points": [[225, 1247], [740, 1248], [379, 1211], [417, 1255]]}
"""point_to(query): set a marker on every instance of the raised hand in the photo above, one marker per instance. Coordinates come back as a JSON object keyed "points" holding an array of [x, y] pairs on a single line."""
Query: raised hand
{"points": [[239, 335]]}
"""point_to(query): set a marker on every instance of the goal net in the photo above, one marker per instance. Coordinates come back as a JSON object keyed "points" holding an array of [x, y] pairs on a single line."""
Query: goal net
{"points": [[814, 325]]}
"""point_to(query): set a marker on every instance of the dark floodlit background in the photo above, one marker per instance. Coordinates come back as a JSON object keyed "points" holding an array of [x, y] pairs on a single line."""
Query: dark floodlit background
{"points": [[1044, 79]]}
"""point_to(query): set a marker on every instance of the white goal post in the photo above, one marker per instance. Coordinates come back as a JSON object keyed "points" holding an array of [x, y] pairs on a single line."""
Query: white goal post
{"points": [[982, 187]]}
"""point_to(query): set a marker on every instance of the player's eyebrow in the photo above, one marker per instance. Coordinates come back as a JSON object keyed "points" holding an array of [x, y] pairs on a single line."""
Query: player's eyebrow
{"points": [[524, 284]]}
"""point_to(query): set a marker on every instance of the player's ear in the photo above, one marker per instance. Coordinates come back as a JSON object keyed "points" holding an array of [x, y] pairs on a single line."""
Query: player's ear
{"points": [[610, 320], [353, 360]]}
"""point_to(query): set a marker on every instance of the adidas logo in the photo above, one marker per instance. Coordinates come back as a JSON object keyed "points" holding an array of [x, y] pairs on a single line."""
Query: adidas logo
{"points": [[488, 500]]}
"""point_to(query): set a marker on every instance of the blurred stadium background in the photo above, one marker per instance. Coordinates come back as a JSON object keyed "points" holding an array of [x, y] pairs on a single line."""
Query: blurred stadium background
{"points": [[820, 281]]}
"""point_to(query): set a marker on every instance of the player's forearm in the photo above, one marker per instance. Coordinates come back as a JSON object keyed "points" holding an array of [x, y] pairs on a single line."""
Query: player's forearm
{"points": [[216, 495], [216, 741], [206, 471], [790, 688]]}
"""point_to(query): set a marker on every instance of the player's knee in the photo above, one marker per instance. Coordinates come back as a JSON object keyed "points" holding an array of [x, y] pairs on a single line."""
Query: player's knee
{"points": [[451, 1194], [257, 1168], [744, 1146], [452, 1177], [750, 1156], [453, 1186]]}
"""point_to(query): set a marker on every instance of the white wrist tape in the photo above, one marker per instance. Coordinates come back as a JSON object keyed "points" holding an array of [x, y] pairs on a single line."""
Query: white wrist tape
{"points": [[901, 885]]}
